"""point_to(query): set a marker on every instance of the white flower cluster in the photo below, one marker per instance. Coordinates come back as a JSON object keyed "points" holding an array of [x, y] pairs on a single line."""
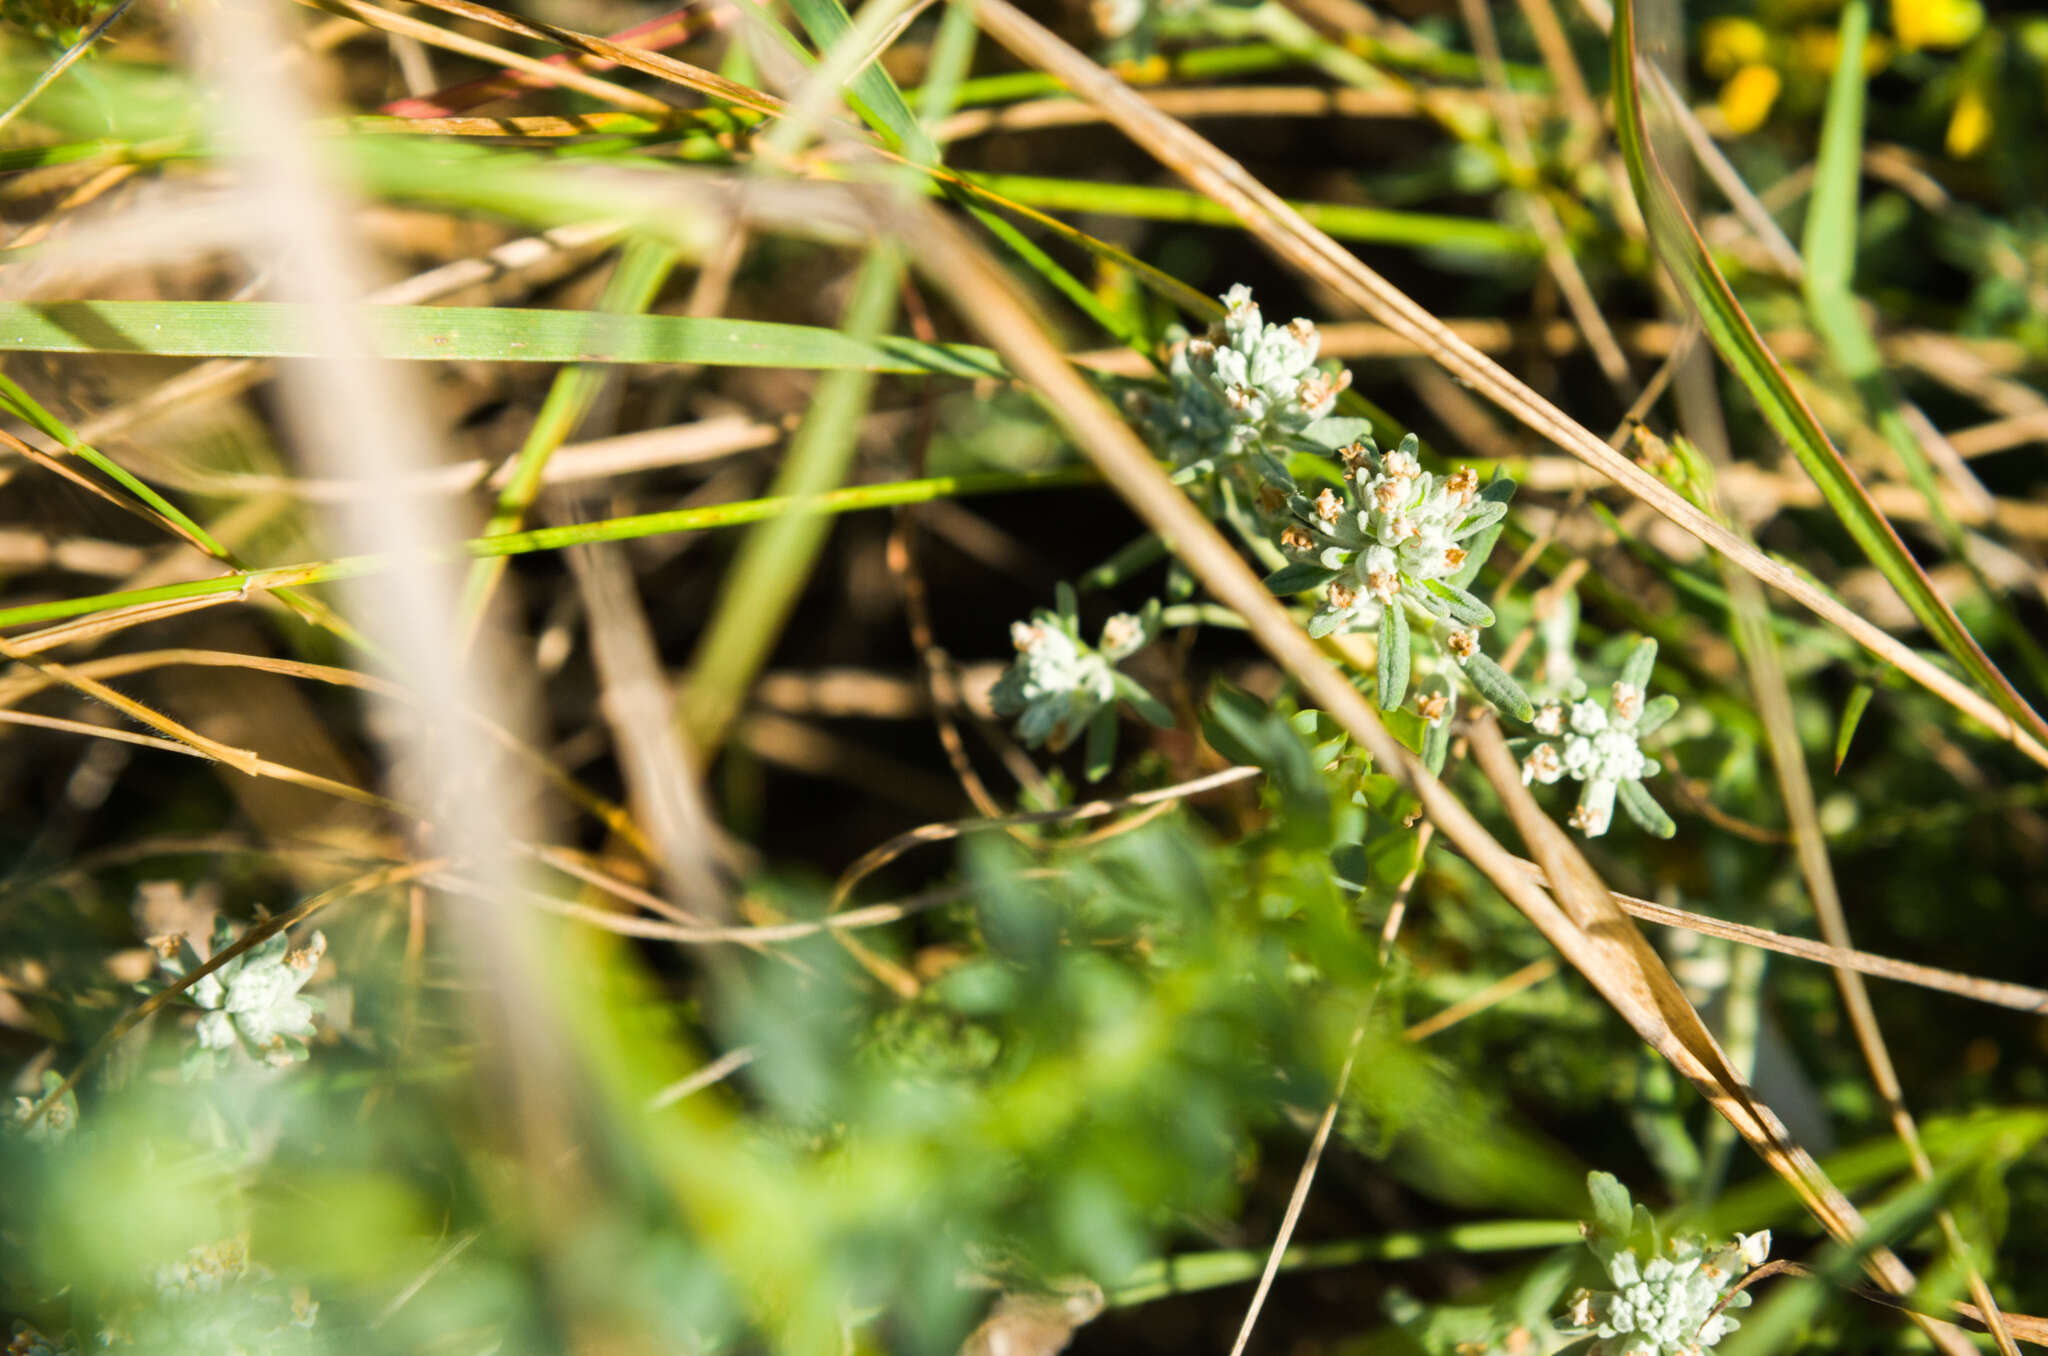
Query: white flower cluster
{"points": [[1245, 384], [1397, 540], [215, 1299], [1394, 532], [1057, 682], [254, 998], [53, 1125], [1666, 1306], [1601, 747]]}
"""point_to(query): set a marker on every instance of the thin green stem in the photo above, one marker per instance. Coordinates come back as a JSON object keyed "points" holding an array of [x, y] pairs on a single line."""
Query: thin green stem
{"points": [[558, 538]]}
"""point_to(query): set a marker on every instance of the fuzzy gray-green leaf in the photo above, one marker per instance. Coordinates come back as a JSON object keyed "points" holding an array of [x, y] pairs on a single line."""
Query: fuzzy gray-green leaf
{"points": [[1644, 809], [1493, 683], [1395, 648]]}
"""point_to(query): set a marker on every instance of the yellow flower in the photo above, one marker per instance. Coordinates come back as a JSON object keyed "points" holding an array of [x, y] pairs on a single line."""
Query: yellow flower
{"points": [[1747, 98], [1969, 127], [1818, 49], [1727, 45], [1936, 23]]}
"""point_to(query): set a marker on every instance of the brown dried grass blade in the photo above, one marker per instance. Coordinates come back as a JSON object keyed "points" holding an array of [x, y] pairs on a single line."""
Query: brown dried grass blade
{"points": [[1597, 938], [1605, 945]]}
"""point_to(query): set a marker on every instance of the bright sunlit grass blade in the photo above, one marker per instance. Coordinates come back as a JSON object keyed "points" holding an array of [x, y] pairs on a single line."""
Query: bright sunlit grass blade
{"points": [[257, 329], [626, 528]]}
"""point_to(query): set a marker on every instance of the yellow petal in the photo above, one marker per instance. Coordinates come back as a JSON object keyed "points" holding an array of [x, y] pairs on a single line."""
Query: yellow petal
{"points": [[1727, 45], [1747, 98], [1969, 127], [1936, 23]]}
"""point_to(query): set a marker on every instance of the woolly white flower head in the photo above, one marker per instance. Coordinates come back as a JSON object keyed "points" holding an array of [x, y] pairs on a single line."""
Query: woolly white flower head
{"points": [[1243, 385], [1393, 531], [1669, 1297], [1600, 746], [1059, 685], [252, 1000], [1666, 1306]]}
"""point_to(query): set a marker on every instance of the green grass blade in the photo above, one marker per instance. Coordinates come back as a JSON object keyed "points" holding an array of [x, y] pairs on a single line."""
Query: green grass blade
{"points": [[20, 403], [629, 528], [1829, 252], [1186, 1272], [952, 56], [1680, 247], [760, 590], [267, 329], [1852, 716], [1055, 274], [876, 95], [15, 399], [1372, 225]]}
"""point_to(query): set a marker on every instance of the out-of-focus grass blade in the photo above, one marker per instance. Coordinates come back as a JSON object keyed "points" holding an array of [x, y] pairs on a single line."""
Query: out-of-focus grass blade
{"points": [[880, 101], [266, 329], [1055, 273], [1185, 1272], [1829, 251], [1680, 247], [1852, 716], [776, 560], [1375, 225], [13, 398]]}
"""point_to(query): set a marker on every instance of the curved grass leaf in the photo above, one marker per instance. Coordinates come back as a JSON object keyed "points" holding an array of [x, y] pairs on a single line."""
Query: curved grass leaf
{"points": [[1684, 253], [271, 329], [1828, 249], [758, 594]]}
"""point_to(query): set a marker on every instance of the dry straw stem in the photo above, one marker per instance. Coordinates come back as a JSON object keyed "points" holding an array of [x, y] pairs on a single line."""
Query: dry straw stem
{"points": [[874, 859], [41, 675], [1596, 937], [632, 58], [570, 77], [1215, 101], [1997, 992], [623, 454], [1283, 230], [660, 774]]}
